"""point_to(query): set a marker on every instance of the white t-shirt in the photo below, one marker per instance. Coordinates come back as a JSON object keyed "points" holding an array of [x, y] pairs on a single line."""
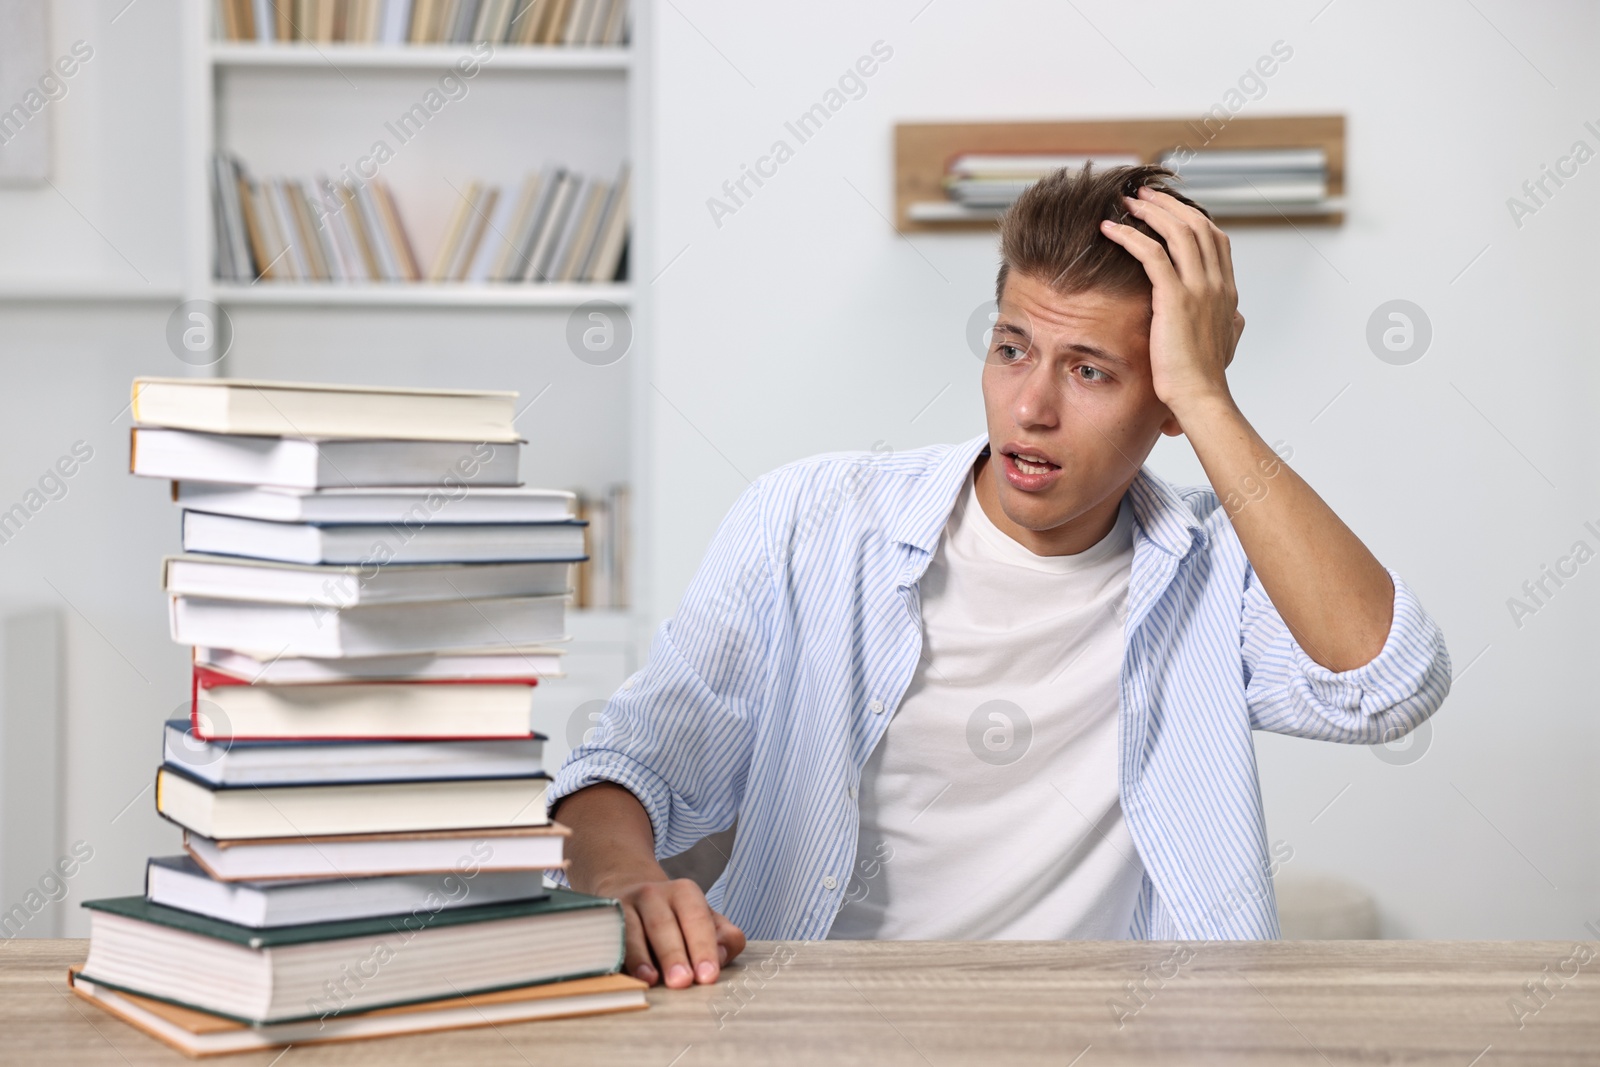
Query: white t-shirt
{"points": [[990, 808]]}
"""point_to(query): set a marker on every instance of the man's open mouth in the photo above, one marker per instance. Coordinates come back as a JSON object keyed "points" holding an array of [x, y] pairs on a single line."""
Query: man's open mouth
{"points": [[1029, 463]]}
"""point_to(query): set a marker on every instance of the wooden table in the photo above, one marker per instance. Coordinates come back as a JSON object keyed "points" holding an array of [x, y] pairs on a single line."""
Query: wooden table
{"points": [[1296, 1002]]}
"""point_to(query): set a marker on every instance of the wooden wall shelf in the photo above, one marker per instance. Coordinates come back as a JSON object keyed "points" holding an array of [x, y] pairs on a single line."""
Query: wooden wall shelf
{"points": [[923, 149]]}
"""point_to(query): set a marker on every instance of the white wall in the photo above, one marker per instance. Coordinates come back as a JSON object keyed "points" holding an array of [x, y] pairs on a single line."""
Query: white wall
{"points": [[805, 323], [112, 220]]}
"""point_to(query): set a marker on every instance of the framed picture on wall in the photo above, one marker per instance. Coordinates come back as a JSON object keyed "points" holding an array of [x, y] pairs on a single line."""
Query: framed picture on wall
{"points": [[25, 115]]}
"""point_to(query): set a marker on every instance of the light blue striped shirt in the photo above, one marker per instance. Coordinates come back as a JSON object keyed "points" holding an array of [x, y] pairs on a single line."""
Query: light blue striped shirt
{"points": [[764, 695]]}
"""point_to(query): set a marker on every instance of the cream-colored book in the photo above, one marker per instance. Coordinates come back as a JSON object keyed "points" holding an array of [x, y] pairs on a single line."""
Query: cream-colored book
{"points": [[299, 409]]}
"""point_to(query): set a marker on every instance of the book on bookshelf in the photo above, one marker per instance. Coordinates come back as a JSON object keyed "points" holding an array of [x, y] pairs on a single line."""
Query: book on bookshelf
{"points": [[587, 23], [561, 227], [601, 579]]}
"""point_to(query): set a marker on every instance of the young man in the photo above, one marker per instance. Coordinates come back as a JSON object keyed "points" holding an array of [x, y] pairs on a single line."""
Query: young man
{"points": [[1006, 689]]}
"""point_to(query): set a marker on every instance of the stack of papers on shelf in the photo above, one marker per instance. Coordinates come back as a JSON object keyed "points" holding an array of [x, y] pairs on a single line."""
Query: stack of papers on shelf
{"points": [[1254, 180], [994, 180]]}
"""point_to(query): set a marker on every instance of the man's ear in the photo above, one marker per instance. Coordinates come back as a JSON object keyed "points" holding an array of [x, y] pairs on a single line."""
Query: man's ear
{"points": [[1171, 428]]}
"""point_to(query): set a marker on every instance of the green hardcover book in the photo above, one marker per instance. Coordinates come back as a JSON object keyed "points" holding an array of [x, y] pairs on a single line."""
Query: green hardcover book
{"points": [[322, 969]]}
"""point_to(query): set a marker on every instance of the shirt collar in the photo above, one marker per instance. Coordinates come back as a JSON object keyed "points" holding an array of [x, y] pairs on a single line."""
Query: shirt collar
{"points": [[1161, 514]]}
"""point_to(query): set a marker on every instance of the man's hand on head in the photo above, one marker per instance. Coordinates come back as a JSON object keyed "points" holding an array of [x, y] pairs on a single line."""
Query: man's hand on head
{"points": [[1195, 322]]}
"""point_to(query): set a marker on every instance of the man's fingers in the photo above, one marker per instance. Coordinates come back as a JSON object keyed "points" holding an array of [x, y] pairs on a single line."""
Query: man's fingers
{"points": [[730, 939], [660, 921], [636, 950], [1147, 250], [1225, 258], [699, 930], [1183, 246], [1205, 234]]}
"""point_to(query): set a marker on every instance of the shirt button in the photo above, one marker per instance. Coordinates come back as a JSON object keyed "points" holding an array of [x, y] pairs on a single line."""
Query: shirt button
{"points": [[830, 882], [876, 707], [628, 684], [852, 792]]}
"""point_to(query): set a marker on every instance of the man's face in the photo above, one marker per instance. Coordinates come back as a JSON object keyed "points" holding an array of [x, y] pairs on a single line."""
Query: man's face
{"points": [[1071, 409]]}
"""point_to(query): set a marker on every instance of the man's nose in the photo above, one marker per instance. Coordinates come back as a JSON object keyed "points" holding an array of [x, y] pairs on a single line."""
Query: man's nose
{"points": [[1037, 400]]}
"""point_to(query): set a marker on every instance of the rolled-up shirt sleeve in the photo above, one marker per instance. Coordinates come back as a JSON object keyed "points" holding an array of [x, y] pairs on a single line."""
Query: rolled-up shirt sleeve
{"points": [[1288, 692], [678, 734]]}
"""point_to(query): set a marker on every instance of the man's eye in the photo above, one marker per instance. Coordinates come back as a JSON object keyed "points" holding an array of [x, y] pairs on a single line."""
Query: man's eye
{"points": [[1010, 353], [1092, 374]]}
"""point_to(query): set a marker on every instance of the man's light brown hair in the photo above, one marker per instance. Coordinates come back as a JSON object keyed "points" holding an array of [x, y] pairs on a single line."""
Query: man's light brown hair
{"points": [[1052, 231]]}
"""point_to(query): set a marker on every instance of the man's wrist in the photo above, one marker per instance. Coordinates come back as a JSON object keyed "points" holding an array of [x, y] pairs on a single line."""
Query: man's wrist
{"points": [[615, 880], [1198, 411]]}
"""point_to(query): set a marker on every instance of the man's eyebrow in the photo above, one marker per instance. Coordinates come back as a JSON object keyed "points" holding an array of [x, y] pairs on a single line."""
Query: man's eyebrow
{"points": [[1011, 329], [1097, 352]]}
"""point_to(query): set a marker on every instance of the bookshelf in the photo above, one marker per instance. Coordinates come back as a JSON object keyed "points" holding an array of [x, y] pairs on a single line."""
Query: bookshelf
{"points": [[234, 89], [297, 109], [417, 56], [419, 294], [921, 151]]}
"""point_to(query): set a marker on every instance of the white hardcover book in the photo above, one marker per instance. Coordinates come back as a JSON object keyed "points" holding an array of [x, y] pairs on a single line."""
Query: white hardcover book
{"points": [[368, 630], [180, 882], [537, 661], [310, 463], [232, 578], [255, 811], [365, 855], [421, 505], [229, 761], [377, 545]]}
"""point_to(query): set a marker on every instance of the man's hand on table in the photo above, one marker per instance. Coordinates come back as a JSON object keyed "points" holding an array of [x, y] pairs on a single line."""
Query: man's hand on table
{"points": [[672, 934]]}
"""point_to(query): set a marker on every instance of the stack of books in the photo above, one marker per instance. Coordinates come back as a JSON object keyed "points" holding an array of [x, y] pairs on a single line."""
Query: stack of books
{"points": [[1254, 181], [562, 227], [370, 594], [393, 22]]}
